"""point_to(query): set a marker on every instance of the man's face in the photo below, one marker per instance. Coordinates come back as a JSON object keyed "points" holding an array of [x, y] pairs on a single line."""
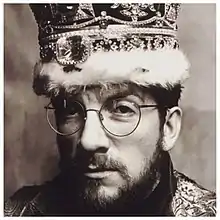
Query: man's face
{"points": [[107, 164]]}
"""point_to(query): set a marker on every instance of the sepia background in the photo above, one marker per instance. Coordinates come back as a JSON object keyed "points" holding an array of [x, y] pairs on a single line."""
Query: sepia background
{"points": [[30, 148]]}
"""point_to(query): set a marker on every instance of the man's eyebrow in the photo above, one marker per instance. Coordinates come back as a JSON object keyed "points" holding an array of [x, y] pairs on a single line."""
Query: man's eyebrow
{"points": [[119, 91], [121, 94]]}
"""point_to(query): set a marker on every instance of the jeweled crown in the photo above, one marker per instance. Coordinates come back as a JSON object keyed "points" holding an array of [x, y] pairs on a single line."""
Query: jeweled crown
{"points": [[69, 33]]}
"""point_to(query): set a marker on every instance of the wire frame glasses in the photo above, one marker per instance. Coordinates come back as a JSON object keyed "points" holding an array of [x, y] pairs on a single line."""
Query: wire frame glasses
{"points": [[118, 117]]}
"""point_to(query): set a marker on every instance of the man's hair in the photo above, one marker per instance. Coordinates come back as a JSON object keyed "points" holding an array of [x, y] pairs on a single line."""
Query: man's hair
{"points": [[165, 97]]}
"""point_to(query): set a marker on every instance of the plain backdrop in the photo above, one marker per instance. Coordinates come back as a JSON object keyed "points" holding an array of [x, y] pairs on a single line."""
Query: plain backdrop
{"points": [[30, 153]]}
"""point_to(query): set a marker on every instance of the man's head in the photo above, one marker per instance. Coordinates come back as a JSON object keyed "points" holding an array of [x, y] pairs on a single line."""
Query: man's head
{"points": [[112, 138], [114, 99]]}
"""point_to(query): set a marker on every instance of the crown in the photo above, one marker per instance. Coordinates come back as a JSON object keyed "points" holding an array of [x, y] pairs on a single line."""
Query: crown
{"points": [[70, 33]]}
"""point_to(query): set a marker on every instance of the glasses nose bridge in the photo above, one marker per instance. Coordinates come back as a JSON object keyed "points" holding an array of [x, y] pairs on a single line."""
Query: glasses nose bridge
{"points": [[94, 110]]}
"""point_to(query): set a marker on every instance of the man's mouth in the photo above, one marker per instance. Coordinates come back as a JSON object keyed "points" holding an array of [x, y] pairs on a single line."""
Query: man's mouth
{"points": [[97, 172]]}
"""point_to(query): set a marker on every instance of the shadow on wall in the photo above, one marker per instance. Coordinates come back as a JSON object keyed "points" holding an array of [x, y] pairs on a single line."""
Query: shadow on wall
{"points": [[31, 155], [194, 153]]}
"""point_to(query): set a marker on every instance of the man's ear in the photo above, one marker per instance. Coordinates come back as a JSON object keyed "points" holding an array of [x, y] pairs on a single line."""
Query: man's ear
{"points": [[172, 127]]}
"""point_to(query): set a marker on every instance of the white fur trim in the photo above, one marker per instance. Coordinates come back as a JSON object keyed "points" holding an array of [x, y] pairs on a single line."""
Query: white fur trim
{"points": [[164, 67]]}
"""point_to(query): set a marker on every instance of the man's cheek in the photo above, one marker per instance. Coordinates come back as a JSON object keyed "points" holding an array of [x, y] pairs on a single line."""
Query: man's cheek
{"points": [[133, 160], [67, 147]]}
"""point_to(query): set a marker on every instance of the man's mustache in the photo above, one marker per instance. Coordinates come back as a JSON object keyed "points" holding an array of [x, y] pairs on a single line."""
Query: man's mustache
{"points": [[101, 162], [105, 162]]}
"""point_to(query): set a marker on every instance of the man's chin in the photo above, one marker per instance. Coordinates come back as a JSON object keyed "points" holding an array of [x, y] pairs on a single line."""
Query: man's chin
{"points": [[106, 194], [103, 193], [96, 195]]}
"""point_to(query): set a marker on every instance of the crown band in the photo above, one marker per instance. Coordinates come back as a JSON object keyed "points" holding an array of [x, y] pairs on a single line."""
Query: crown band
{"points": [[112, 31], [71, 49]]}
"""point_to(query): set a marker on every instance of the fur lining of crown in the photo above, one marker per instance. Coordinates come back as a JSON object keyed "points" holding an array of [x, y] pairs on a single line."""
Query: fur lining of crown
{"points": [[160, 67]]}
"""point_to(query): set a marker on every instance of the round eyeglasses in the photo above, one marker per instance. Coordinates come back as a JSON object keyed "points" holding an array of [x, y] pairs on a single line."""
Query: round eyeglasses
{"points": [[119, 117]]}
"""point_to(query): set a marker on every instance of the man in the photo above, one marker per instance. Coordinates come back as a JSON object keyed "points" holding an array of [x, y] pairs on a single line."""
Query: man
{"points": [[113, 74]]}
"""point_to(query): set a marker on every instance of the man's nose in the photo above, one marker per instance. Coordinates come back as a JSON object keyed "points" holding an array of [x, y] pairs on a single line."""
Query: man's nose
{"points": [[93, 137]]}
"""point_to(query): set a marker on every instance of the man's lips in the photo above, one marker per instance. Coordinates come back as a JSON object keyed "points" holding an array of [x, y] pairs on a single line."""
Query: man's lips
{"points": [[97, 172], [99, 175]]}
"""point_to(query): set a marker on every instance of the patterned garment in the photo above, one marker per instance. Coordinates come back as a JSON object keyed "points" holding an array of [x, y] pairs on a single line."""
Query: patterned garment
{"points": [[189, 199]]}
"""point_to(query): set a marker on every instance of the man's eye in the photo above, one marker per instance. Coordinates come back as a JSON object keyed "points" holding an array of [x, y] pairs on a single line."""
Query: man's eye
{"points": [[70, 110], [73, 109], [123, 109]]}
